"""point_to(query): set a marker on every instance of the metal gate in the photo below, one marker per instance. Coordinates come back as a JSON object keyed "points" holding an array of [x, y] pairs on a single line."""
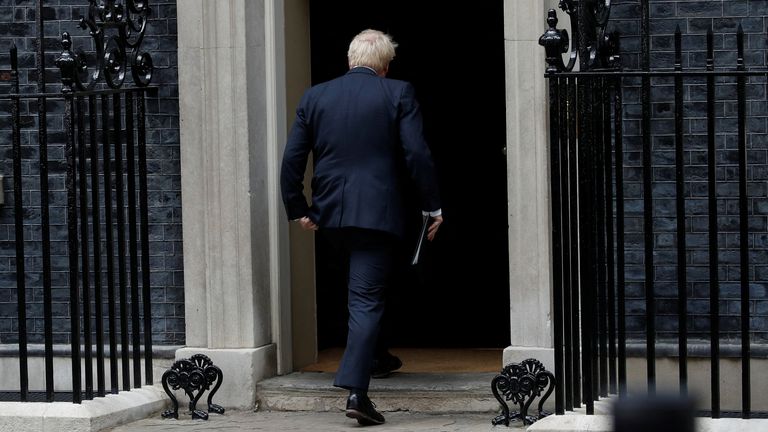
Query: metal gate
{"points": [[105, 179], [589, 118]]}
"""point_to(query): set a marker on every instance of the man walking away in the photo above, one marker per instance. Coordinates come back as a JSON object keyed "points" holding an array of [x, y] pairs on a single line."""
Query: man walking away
{"points": [[358, 128]]}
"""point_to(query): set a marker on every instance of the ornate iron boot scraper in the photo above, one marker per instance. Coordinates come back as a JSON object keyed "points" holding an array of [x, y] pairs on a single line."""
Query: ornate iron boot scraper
{"points": [[522, 383], [194, 375]]}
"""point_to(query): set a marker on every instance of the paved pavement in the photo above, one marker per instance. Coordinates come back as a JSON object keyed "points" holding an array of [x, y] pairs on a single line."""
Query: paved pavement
{"points": [[318, 422]]}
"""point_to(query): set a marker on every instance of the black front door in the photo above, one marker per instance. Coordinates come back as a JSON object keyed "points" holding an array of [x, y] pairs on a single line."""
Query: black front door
{"points": [[454, 56]]}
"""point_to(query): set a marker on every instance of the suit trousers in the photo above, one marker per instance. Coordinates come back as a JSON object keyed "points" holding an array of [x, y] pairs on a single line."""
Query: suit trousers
{"points": [[370, 255]]}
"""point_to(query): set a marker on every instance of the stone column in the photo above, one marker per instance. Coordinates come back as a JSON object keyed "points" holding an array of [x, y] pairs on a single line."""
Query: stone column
{"points": [[234, 235], [528, 183]]}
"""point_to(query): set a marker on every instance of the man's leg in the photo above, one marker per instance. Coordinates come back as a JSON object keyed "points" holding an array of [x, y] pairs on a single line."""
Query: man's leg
{"points": [[384, 362], [370, 262]]}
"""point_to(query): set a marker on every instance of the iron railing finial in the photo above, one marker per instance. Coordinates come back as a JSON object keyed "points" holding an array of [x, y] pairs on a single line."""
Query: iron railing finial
{"points": [[555, 42], [67, 64]]}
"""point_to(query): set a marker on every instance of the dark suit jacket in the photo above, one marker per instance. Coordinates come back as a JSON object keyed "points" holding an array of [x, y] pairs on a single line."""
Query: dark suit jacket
{"points": [[359, 128]]}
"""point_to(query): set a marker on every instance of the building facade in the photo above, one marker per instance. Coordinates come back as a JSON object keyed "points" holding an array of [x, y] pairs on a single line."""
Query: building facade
{"points": [[233, 279]]}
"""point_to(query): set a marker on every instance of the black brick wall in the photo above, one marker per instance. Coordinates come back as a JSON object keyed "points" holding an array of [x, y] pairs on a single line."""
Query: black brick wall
{"points": [[694, 19], [17, 25]]}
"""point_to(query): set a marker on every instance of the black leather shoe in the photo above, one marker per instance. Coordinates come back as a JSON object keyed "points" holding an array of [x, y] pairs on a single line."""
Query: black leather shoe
{"points": [[361, 408], [384, 366]]}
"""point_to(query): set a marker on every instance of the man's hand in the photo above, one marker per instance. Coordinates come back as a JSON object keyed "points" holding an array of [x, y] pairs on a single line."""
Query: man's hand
{"points": [[307, 224], [432, 231]]}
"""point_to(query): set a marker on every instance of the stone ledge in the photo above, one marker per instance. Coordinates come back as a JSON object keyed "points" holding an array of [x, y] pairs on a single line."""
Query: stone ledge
{"points": [[697, 349], [90, 416], [65, 350], [664, 349], [604, 423]]}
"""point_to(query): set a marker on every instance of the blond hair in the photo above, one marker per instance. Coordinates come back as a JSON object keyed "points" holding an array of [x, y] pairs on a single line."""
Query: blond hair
{"points": [[371, 48]]}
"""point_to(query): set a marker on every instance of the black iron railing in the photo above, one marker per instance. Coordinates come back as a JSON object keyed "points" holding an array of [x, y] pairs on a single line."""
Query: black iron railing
{"points": [[101, 117], [588, 120]]}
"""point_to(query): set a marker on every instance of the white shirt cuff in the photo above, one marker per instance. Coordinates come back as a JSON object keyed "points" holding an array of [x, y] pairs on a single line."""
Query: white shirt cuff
{"points": [[436, 213]]}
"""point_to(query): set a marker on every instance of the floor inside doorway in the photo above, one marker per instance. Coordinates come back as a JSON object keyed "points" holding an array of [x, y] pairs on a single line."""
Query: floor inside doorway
{"points": [[420, 360]]}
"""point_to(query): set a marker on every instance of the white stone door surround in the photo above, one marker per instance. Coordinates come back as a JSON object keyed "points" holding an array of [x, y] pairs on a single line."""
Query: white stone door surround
{"points": [[528, 183], [236, 272], [237, 257]]}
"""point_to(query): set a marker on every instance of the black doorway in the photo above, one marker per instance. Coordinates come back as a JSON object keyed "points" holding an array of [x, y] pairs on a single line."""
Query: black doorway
{"points": [[454, 56]]}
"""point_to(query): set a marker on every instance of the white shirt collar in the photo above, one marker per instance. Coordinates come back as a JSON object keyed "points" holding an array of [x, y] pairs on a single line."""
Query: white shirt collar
{"points": [[367, 67]]}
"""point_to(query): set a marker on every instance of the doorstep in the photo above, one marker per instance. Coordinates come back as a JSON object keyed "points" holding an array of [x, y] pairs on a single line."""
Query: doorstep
{"points": [[431, 393]]}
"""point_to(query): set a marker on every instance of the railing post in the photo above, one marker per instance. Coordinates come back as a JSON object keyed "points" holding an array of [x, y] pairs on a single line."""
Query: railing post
{"points": [[96, 220], [714, 261], [650, 300], [746, 397], [566, 381], [85, 265], [682, 277], [557, 243], [67, 66], [18, 210], [130, 145], [42, 137], [618, 143], [110, 242], [144, 219]]}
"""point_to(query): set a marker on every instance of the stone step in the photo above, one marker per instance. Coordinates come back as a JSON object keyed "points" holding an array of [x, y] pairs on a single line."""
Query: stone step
{"points": [[414, 392]]}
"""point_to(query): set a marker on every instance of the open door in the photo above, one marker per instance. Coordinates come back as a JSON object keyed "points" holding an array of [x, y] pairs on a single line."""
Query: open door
{"points": [[454, 56]]}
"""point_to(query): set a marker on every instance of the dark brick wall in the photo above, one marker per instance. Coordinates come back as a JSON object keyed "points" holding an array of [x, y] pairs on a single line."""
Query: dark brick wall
{"points": [[694, 19], [17, 25]]}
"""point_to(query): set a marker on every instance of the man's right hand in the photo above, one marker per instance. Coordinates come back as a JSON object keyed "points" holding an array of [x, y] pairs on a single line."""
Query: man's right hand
{"points": [[432, 230], [307, 224]]}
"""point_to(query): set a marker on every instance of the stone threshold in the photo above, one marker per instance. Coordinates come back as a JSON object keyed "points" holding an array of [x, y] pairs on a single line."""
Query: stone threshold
{"points": [[436, 393], [90, 416]]}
